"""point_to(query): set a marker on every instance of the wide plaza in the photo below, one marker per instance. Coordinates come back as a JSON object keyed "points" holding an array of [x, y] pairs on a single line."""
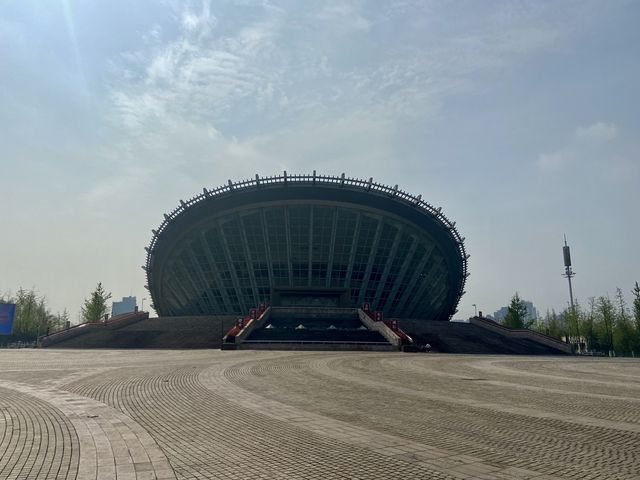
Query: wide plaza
{"points": [[147, 414]]}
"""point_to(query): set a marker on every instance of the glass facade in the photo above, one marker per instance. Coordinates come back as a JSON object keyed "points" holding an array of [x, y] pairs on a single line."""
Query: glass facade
{"points": [[230, 262]]}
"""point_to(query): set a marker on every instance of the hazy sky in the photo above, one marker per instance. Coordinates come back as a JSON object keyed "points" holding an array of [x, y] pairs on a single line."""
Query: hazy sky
{"points": [[520, 119]]}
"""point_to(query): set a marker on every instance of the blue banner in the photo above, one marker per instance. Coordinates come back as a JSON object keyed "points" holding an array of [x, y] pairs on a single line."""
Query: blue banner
{"points": [[7, 313]]}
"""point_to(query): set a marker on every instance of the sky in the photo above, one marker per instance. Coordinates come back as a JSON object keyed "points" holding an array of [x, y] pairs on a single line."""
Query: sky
{"points": [[520, 119]]}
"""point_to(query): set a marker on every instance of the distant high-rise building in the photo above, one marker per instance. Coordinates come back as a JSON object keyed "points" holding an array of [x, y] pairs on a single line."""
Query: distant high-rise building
{"points": [[532, 313], [127, 305], [498, 315]]}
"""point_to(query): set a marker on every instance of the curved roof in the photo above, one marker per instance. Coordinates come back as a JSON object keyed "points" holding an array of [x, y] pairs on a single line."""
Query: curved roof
{"points": [[223, 250]]}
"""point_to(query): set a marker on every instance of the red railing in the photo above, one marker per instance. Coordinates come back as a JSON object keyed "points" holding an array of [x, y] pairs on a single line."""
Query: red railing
{"points": [[392, 323], [244, 322]]}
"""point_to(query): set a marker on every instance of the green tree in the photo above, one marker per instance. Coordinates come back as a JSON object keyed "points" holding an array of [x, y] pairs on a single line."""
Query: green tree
{"points": [[606, 317], [548, 324], [58, 321], [540, 324], [587, 324], [623, 331], [636, 318], [95, 307], [33, 316], [553, 324], [516, 316], [636, 305], [573, 319]]}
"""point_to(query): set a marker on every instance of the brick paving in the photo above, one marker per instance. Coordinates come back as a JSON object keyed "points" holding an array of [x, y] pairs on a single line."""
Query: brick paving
{"points": [[198, 414]]}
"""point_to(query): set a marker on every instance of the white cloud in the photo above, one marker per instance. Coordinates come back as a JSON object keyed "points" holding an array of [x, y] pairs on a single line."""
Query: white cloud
{"points": [[137, 111], [121, 184], [200, 23], [599, 131], [591, 146], [196, 76], [555, 161], [345, 16], [283, 62], [282, 88]]}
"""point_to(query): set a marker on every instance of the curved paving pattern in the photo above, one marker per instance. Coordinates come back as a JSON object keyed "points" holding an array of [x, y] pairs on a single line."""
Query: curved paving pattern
{"points": [[298, 415], [36, 440]]}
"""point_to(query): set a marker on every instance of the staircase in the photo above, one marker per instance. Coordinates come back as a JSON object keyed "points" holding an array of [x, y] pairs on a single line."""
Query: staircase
{"points": [[317, 328], [454, 337], [140, 331]]}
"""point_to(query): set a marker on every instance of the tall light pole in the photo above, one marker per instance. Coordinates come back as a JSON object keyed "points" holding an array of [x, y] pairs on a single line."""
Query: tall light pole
{"points": [[569, 274]]}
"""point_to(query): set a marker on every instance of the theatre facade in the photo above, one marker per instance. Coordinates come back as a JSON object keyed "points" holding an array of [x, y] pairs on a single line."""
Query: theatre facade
{"points": [[306, 240]]}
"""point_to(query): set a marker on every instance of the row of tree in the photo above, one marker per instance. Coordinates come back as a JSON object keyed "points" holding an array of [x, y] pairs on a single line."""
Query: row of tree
{"points": [[603, 324], [33, 316]]}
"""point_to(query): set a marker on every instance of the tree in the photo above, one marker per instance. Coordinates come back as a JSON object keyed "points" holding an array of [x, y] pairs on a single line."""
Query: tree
{"points": [[95, 307], [636, 304], [606, 313], [623, 333], [573, 320], [58, 321], [636, 315], [516, 316], [549, 324], [33, 316], [588, 324], [553, 324]]}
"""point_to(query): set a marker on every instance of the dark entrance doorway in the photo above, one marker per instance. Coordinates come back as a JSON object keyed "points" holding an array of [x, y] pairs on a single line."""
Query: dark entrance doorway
{"points": [[306, 297]]}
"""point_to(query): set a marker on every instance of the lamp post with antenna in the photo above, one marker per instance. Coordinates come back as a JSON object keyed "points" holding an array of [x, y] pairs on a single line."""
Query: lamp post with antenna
{"points": [[569, 274]]}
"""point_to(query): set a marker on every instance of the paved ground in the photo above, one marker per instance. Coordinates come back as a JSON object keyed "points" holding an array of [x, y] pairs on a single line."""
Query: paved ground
{"points": [[286, 415]]}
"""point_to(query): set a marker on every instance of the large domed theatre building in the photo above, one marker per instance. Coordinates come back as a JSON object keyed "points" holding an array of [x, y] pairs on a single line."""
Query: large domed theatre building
{"points": [[306, 262], [306, 240]]}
